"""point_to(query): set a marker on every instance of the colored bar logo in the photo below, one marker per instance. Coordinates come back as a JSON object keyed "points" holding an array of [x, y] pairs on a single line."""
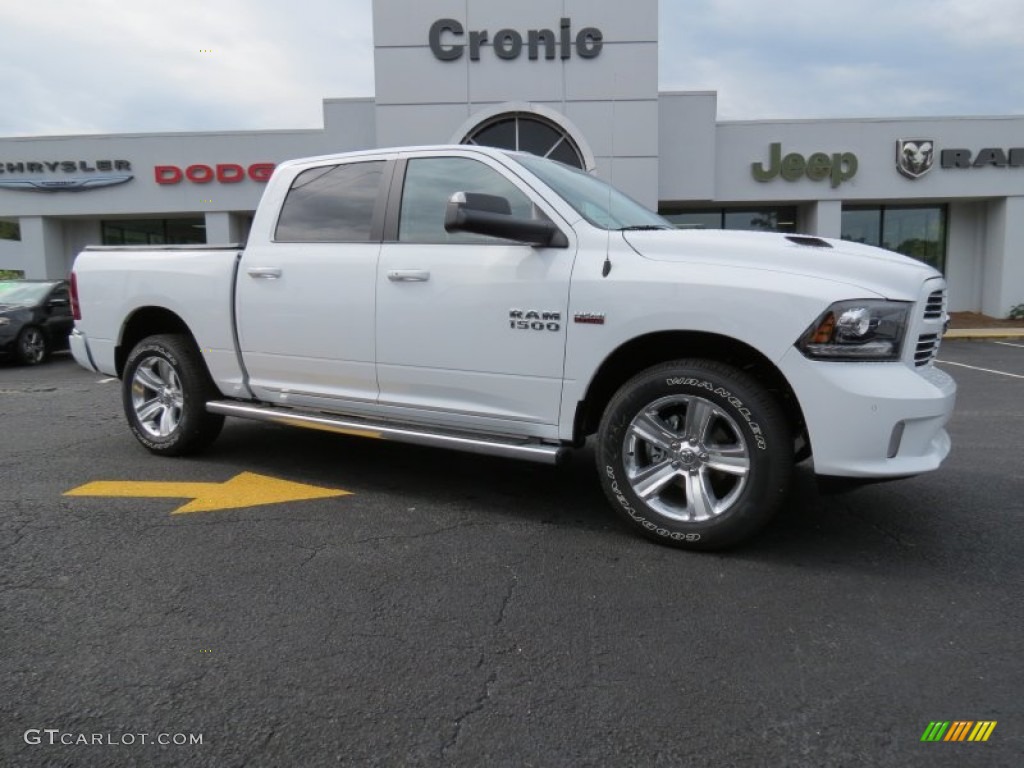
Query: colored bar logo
{"points": [[958, 730]]}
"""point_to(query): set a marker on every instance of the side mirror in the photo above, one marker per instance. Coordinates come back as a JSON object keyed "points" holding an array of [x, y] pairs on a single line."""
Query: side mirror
{"points": [[492, 215]]}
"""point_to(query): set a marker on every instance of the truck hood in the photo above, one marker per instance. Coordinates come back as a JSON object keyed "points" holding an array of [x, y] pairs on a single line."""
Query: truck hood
{"points": [[865, 267]]}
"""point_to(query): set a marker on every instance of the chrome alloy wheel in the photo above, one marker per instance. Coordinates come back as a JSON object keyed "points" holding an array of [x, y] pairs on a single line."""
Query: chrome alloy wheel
{"points": [[157, 397], [33, 346], [686, 458]]}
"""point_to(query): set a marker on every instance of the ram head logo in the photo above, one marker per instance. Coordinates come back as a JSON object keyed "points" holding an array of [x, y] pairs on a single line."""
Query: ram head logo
{"points": [[914, 157]]}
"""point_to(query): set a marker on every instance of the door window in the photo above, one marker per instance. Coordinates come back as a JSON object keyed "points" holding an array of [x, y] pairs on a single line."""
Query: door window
{"points": [[431, 181], [331, 204]]}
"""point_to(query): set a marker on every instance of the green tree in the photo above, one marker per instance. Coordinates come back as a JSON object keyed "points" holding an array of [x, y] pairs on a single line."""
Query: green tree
{"points": [[9, 230]]}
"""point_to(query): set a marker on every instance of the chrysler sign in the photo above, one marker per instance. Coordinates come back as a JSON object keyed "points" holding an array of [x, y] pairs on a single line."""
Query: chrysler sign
{"points": [[31, 175]]}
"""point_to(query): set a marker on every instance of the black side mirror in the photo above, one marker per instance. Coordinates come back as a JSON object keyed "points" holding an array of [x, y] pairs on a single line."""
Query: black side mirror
{"points": [[492, 215]]}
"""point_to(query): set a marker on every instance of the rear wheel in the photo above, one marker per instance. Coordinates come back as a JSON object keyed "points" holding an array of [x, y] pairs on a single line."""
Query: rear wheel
{"points": [[695, 454], [165, 389], [32, 348]]}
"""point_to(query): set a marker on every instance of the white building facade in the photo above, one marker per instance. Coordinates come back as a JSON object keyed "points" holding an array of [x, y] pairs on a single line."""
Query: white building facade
{"points": [[576, 80]]}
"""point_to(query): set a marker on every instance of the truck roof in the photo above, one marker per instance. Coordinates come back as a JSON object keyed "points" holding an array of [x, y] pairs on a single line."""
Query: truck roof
{"points": [[477, 148]]}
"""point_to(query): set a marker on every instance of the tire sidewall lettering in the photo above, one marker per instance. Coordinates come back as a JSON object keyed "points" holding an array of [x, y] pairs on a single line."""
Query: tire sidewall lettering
{"points": [[647, 524], [755, 429]]}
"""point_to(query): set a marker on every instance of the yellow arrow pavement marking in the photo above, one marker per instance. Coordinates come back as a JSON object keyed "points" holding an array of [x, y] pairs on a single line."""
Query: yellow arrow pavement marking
{"points": [[245, 490]]}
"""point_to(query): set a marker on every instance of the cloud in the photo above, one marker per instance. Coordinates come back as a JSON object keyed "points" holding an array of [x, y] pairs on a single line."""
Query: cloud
{"points": [[121, 66], [975, 24], [872, 58], [110, 65]]}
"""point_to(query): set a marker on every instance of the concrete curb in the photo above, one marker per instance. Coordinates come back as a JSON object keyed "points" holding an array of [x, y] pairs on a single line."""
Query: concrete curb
{"points": [[985, 333]]}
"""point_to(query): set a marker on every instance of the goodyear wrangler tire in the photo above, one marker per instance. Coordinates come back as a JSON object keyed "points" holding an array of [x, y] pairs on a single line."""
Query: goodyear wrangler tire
{"points": [[695, 454], [165, 389]]}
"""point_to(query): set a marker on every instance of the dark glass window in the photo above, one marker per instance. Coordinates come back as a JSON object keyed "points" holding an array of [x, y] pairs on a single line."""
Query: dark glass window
{"points": [[501, 134], [430, 182], [154, 231], [696, 219], [10, 230], [863, 225], [331, 204], [915, 231], [767, 219], [527, 132], [762, 220]]}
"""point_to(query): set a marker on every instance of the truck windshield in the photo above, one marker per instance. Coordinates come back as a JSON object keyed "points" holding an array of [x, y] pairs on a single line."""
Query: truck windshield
{"points": [[597, 202]]}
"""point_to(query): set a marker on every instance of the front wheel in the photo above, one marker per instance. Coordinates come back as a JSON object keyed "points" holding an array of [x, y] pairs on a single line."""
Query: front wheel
{"points": [[695, 453], [32, 348], [165, 389]]}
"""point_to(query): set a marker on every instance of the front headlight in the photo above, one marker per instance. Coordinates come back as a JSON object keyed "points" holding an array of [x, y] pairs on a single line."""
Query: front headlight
{"points": [[870, 330]]}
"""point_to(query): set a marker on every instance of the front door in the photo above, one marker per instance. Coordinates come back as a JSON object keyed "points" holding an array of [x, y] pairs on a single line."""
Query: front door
{"points": [[470, 329]]}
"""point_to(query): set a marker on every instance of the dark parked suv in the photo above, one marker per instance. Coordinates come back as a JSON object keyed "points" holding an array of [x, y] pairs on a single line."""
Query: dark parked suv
{"points": [[35, 319]]}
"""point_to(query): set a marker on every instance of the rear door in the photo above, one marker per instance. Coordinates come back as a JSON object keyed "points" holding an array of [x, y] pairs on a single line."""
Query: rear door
{"points": [[305, 292], [470, 329]]}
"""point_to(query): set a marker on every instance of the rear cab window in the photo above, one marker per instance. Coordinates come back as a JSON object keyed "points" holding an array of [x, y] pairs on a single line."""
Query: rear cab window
{"points": [[332, 204]]}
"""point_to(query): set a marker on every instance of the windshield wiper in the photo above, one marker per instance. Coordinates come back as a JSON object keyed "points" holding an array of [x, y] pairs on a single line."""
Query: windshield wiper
{"points": [[644, 228]]}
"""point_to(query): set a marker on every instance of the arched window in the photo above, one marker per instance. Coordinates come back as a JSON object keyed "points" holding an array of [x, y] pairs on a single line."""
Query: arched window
{"points": [[526, 132]]}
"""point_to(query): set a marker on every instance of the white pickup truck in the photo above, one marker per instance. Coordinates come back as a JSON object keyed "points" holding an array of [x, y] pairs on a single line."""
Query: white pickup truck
{"points": [[482, 300]]}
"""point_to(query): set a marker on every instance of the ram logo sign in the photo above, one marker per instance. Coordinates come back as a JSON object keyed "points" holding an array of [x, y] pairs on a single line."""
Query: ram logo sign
{"points": [[914, 157]]}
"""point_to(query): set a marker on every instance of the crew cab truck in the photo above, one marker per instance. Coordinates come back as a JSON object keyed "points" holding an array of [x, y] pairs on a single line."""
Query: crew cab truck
{"points": [[476, 299]]}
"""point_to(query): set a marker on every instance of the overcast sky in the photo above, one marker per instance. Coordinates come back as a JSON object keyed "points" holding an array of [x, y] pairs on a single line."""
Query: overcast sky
{"points": [[122, 66]]}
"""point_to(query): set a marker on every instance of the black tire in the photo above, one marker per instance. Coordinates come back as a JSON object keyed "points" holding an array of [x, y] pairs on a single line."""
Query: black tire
{"points": [[711, 493], [164, 389], [32, 347]]}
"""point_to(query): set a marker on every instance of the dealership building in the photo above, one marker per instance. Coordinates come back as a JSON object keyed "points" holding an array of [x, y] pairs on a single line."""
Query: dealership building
{"points": [[576, 80]]}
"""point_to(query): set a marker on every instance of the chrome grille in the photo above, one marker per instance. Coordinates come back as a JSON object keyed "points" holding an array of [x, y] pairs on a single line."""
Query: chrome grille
{"points": [[931, 326], [927, 348], [935, 307]]}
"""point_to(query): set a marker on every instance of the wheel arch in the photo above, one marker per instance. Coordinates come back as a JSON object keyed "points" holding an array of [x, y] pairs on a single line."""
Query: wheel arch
{"points": [[653, 348], [143, 322]]}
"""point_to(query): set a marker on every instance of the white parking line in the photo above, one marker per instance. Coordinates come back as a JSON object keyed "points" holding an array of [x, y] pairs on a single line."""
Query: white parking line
{"points": [[105, 381], [976, 368], [1009, 344]]}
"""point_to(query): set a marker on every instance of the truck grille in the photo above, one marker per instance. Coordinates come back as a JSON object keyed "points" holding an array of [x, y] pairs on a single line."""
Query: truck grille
{"points": [[936, 305], [931, 337], [927, 348]]}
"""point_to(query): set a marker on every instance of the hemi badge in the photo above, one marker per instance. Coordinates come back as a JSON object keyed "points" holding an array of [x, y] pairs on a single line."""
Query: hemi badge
{"points": [[589, 318]]}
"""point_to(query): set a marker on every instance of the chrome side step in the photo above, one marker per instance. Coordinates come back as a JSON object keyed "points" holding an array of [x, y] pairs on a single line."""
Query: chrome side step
{"points": [[460, 441]]}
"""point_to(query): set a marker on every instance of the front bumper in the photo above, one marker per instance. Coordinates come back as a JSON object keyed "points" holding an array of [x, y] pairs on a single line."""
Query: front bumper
{"points": [[872, 420]]}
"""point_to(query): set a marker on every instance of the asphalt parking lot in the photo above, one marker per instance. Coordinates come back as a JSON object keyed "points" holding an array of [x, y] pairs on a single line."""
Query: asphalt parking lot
{"points": [[460, 610]]}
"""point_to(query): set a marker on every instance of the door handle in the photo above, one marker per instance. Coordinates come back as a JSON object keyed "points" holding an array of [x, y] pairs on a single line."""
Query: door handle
{"points": [[265, 273], [408, 275]]}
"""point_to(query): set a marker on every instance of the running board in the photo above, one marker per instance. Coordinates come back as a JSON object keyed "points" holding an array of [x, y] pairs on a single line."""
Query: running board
{"points": [[488, 445]]}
